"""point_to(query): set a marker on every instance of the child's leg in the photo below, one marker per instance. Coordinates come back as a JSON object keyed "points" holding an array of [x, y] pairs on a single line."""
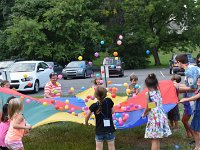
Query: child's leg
{"points": [[99, 145], [111, 145], [176, 124], [197, 140], [172, 124], [155, 144], [185, 120]]}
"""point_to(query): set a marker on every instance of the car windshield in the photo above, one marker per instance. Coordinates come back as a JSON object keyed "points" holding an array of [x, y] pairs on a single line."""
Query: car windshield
{"points": [[49, 63], [76, 64], [111, 61], [5, 64], [23, 67]]}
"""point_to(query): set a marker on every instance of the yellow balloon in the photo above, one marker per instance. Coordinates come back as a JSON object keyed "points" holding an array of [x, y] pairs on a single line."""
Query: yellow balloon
{"points": [[73, 113], [93, 116], [128, 91], [67, 101], [25, 75], [80, 58], [72, 89], [45, 103], [66, 107], [126, 84]]}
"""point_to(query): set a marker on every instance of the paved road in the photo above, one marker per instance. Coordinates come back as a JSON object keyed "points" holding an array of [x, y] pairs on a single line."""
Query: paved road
{"points": [[161, 73]]}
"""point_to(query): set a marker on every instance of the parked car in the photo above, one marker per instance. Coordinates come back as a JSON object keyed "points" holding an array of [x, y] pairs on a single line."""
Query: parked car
{"points": [[56, 66], [28, 75], [77, 69], [173, 66], [115, 66]]}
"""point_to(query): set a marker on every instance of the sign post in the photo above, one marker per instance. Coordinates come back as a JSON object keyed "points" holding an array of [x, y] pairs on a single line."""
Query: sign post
{"points": [[105, 73]]}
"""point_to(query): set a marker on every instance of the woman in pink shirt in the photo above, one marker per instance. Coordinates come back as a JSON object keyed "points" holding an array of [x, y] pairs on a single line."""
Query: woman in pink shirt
{"points": [[17, 127]]}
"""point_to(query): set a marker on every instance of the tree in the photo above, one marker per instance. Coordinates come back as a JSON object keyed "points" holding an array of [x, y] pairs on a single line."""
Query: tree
{"points": [[161, 25]]}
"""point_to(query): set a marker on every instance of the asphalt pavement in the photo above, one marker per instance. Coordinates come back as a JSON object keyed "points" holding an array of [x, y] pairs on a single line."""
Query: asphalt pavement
{"points": [[161, 73]]}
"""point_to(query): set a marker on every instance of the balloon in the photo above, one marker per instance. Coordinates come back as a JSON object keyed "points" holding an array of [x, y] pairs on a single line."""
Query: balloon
{"points": [[82, 88], [22, 98], [96, 54], [66, 107], [72, 109], [80, 58], [131, 104], [92, 98], [55, 91], [86, 100], [115, 121], [118, 106], [93, 116], [128, 91], [147, 52], [50, 67], [44, 103], [110, 89], [115, 54], [73, 113], [25, 75], [72, 89], [126, 115], [177, 146], [102, 42], [102, 71], [90, 63], [124, 119], [67, 101], [109, 82], [29, 84], [114, 89], [134, 95], [120, 37], [107, 58], [113, 95], [128, 107], [52, 101], [136, 86], [126, 84], [59, 76], [56, 107], [119, 42], [116, 58], [60, 108], [97, 75], [69, 92], [28, 101], [101, 81], [89, 96]]}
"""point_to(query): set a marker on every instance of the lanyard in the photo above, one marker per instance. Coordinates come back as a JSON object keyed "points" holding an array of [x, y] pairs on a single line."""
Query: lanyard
{"points": [[106, 111]]}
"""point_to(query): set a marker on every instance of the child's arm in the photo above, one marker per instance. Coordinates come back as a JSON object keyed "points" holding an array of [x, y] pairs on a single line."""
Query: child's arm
{"points": [[17, 122], [193, 98], [87, 117], [184, 89], [137, 91], [146, 109], [113, 110]]}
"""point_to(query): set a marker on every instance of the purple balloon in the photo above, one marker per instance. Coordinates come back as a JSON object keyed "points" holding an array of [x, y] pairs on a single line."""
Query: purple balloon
{"points": [[96, 54]]}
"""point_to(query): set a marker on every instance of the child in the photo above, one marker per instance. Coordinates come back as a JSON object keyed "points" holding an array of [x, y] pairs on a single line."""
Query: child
{"points": [[134, 90], [17, 127], [97, 81], [4, 125], [174, 115], [157, 125], [195, 124], [5, 84], [103, 110]]}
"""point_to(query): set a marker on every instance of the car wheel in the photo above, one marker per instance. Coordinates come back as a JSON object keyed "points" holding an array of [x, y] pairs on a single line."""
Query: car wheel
{"points": [[92, 74], [36, 86], [65, 78]]}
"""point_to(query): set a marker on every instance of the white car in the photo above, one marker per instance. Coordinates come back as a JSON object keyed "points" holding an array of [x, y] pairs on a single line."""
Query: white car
{"points": [[29, 75]]}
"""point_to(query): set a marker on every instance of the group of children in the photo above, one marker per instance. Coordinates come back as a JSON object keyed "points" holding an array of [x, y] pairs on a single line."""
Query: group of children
{"points": [[13, 125]]}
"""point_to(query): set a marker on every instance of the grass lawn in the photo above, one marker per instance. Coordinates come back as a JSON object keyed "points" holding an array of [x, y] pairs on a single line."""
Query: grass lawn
{"points": [[73, 136]]}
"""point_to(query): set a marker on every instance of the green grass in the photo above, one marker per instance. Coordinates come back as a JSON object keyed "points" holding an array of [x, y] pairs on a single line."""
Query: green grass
{"points": [[73, 136]]}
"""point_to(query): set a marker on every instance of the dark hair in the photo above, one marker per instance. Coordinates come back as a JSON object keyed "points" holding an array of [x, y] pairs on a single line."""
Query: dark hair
{"points": [[182, 58], [176, 77], [151, 81], [197, 61], [100, 93], [4, 117], [95, 80], [53, 74], [133, 77], [4, 82]]}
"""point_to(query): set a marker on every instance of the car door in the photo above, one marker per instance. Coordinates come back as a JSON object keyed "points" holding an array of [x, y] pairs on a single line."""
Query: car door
{"points": [[88, 68], [42, 73], [47, 72]]}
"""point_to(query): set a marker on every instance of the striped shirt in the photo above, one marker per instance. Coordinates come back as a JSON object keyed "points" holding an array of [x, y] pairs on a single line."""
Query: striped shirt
{"points": [[52, 90]]}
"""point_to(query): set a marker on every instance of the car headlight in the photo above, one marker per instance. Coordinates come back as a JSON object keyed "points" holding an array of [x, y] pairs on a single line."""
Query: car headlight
{"points": [[80, 70], [118, 67], [27, 79]]}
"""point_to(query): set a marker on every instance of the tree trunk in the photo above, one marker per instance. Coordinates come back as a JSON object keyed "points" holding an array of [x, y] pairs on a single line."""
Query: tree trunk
{"points": [[156, 57]]}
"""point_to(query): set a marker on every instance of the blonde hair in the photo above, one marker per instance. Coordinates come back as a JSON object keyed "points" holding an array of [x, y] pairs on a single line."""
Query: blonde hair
{"points": [[15, 106]]}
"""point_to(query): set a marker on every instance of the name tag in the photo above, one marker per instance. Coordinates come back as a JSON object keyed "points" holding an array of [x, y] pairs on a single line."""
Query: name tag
{"points": [[106, 122], [190, 81], [151, 105]]}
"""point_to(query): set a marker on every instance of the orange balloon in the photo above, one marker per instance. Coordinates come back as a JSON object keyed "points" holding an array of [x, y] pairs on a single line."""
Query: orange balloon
{"points": [[114, 89], [109, 82], [115, 54]]}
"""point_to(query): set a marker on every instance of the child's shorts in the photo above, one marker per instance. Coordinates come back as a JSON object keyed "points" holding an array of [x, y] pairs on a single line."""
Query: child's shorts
{"points": [[14, 144], [187, 109], [105, 137]]}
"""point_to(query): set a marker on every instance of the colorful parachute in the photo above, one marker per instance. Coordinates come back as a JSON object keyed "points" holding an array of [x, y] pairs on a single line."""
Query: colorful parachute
{"points": [[128, 112]]}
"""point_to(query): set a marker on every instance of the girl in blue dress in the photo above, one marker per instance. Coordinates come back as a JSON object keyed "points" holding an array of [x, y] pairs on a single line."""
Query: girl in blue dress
{"points": [[195, 124]]}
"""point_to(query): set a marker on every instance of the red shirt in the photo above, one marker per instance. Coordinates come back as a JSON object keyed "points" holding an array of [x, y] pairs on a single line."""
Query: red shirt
{"points": [[54, 90]]}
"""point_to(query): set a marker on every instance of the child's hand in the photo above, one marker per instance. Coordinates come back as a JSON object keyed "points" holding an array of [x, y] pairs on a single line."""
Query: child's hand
{"points": [[143, 115], [183, 100], [28, 127]]}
